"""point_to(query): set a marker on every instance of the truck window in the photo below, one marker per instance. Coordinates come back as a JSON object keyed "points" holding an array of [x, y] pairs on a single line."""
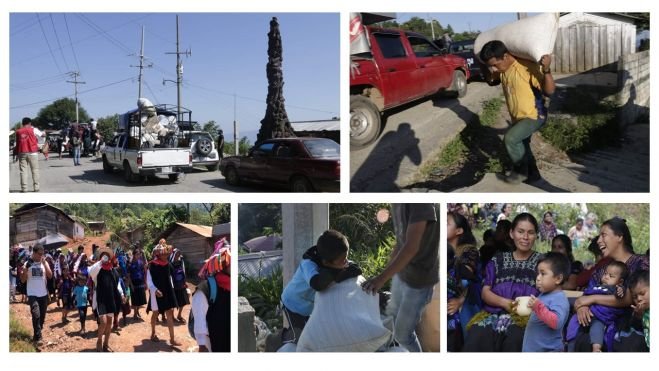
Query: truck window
{"points": [[422, 47], [121, 141], [390, 45]]}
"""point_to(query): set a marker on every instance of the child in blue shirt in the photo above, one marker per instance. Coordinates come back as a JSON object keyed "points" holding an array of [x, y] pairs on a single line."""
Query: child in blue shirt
{"points": [[80, 294], [544, 330], [321, 265]]}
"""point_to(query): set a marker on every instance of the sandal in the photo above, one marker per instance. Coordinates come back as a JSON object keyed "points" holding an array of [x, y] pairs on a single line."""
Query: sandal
{"points": [[180, 320], [155, 338], [174, 343]]}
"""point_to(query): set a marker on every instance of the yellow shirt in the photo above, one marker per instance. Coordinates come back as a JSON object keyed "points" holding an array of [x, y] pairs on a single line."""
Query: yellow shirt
{"points": [[523, 91]]}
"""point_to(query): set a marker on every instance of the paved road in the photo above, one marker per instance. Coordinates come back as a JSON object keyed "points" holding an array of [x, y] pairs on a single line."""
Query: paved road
{"points": [[59, 175], [413, 134]]}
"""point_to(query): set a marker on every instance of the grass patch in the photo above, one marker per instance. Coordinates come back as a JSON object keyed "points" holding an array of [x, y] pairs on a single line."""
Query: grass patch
{"points": [[491, 111], [583, 123], [20, 338], [451, 155]]}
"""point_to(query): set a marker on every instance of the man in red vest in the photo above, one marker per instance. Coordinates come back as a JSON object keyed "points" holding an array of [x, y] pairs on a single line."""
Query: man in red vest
{"points": [[27, 148]]}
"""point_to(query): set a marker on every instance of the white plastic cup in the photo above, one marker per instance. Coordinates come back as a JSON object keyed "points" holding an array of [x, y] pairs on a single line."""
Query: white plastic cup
{"points": [[522, 308]]}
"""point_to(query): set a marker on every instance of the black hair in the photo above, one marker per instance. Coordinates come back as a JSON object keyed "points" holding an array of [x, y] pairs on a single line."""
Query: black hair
{"points": [[525, 217], [26, 121], [331, 244], [567, 243], [624, 271], [467, 237], [594, 247], [504, 225], [547, 212], [619, 228], [38, 248], [493, 49], [640, 276], [558, 263], [503, 207], [489, 233], [579, 220]]}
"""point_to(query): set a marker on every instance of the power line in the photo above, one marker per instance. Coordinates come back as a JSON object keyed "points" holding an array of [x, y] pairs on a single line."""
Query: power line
{"points": [[104, 33], [75, 57], [48, 43], [70, 95], [58, 43], [81, 40], [24, 26], [36, 83]]}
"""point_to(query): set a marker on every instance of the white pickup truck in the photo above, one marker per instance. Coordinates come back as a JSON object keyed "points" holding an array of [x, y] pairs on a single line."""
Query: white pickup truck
{"points": [[128, 152]]}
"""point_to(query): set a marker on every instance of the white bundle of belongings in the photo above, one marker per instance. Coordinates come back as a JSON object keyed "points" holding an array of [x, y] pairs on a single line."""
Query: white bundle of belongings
{"points": [[345, 319], [529, 38], [154, 126]]}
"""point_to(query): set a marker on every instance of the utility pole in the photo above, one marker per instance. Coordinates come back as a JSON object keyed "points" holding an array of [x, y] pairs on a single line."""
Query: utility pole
{"points": [[521, 15], [432, 27], [75, 82], [235, 127], [179, 71], [141, 66]]}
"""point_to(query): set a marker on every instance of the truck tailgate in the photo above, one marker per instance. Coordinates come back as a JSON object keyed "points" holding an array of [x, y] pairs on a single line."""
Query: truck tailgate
{"points": [[160, 157]]}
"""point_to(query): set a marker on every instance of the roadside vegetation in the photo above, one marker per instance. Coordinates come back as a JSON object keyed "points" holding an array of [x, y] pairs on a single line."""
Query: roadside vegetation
{"points": [[20, 338]]}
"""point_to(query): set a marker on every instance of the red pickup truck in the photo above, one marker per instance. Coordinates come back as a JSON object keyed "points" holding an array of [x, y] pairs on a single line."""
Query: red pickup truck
{"points": [[402, 66]]}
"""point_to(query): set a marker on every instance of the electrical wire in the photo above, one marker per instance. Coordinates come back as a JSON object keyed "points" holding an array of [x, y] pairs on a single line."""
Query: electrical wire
{"points": [[58, 43], [75, 57], [71, 95], [48, 43]]}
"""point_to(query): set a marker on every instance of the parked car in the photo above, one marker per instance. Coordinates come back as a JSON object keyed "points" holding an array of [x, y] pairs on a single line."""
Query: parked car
{"points": [[401, 67], [465, 49], [202, 147], [301, 164]]}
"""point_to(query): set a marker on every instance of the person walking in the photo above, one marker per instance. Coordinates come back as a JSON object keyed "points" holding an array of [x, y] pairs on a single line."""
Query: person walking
{"points": [[34, 274], [27, 151], [414, 267], [525, 85]]}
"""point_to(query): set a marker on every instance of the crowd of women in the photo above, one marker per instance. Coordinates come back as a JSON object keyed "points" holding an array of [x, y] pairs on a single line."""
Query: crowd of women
{"points": [[606, 305], [115, 283]]}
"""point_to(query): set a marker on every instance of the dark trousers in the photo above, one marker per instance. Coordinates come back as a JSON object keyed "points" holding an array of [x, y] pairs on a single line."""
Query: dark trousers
{"points": [[38, 306], [296, 323]]}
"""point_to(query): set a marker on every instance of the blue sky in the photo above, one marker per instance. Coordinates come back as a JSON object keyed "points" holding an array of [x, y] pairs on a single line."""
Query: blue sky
{"points": [[464, 21], [229, 55]]}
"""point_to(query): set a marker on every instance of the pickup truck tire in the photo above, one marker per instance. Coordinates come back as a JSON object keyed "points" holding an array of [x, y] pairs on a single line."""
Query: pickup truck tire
{"points": [[107, 168], [301, 184], [232, 177], [365, 121], [459, 85], [204, 146], [128, 174], [174, 177]]}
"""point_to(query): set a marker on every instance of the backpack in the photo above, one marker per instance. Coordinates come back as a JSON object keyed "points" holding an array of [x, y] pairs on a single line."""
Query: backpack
{"points": [[211, 295]]}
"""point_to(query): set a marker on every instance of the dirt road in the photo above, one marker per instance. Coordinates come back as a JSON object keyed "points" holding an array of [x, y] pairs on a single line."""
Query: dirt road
{"points": [[134, 337], [412, 134]]}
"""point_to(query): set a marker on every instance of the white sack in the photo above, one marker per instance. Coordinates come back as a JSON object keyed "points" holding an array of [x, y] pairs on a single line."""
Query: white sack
{"points": [[344, 319], [529, 38]]}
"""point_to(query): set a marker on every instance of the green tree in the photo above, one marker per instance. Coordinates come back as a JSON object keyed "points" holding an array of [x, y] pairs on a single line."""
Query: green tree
{"points": [[243, 146], [211, 127], [107, 126], [253, 218], [59, 114]]}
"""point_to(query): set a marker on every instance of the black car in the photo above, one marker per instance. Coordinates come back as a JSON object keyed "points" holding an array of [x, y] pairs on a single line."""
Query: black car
{"points": [[465, 49]]}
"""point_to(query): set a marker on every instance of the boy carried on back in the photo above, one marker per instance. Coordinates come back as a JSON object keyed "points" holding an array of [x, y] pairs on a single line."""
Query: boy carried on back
{"points": [[321, 265]]}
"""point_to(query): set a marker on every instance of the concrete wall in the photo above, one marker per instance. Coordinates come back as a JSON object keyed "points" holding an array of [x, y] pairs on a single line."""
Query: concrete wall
{"points": [[246, 334], [634, 84]]}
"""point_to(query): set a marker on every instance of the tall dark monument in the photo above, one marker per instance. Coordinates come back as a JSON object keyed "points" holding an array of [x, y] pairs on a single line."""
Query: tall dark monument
{"points": [[275, 124]]}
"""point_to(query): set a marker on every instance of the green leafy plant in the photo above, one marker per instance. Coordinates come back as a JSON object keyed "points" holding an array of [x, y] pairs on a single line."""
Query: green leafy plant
{"points": [[263, 294]]}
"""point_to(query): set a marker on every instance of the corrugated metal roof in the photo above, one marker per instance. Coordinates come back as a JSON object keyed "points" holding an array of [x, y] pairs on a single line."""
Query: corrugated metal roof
{"points": [[262, 264], [203, 230], [320, 125]]}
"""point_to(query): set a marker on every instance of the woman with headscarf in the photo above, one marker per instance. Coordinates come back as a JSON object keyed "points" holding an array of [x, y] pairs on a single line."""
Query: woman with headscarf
{"points": [[212, 325], [162, 298], [107, 296], [180, 287]]}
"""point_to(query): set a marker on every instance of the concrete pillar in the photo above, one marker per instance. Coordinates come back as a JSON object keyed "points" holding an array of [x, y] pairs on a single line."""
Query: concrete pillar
{"points": [[302, 224], [246, 335]]}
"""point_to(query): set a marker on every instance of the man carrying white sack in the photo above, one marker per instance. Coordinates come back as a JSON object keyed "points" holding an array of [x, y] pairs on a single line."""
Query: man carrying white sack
{"points": [[413, 267], [525, 84]]}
